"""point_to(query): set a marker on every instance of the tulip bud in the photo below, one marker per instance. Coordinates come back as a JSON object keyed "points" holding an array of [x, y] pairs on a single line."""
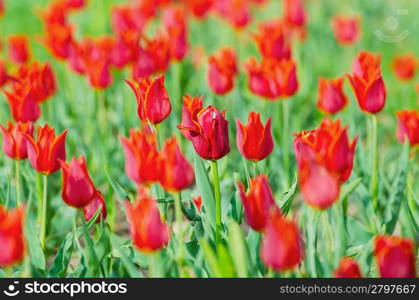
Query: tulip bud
{"points": [[47, 150], [348, 268], [149, 233], [11, 236], [331, 97], [222, 69], [152, 99], [14, 142], [254, 140], [18, 49], [198, 202], [90, 209], [78, 187], [408, 126], [257, 202], [281, 247], [177, 172], [346, 29], [294, 12], [405, 66], [395, 256]]}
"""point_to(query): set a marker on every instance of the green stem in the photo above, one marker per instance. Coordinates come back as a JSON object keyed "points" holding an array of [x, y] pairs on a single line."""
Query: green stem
{"points": [[44, 211], [374, 163], [39, 196], [153, 265], [17, 179], [285, 141], [179, 221], [217, 194]]}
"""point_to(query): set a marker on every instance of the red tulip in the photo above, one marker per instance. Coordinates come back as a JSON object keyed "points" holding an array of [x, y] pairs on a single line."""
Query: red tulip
{"points": [[1, 8], [177, 172], [46, 152], [331, 97], [3, 74], [294, 12], [75, 4], [149, 233], [18, 48], [254, 140], [14, 143], [272, 40], [408, 126], [191, 107], [22, 103], [395, 256], [325, 159], [198, 202], [152, 99], [174, 20], [11, 236], [281, 247], [127, 18], [236, 12], [59, 39], [199, 8], [222, 69], [78, 187], [348, 268], [125, 49], [90, 209], [346, 29], [142, 160], [368, 83], [257, 202], [405, 66], [209, 134]]}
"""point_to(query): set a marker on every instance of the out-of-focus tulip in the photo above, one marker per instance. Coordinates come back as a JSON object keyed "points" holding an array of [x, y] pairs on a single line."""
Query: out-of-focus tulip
{"points": [[236, 12], [11, 236], [174, 20], [272, 40], [254, 140], [75, 4], [199, 8], [127, 18], [222, 69], [125, 49], [258, 202], [142, 160], [408, 126], [209, 133], [191, 107], [294, 12], [152, 99], [198, 202], [346, 29], [90, 209], [281, 247], [22, 104], [14, 143], [1, 8], [331, 97], [177, 173], [18, 48], [46, 152], [78, 187], [395, 256], [367, 82], [149, 233], [325, 159], [59, 39], [348, 268], [405, 66], [3, 74]]}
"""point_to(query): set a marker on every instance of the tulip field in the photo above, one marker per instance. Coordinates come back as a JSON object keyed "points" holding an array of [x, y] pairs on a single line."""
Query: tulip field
{"points": [[209, 138]]}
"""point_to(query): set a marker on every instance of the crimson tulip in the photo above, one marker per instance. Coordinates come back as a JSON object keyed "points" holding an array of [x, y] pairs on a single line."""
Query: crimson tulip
{"points": [[174, 20], [152, 99], [395, 256], [222, 70], [254, 140], [258, 201], [405, 66], [11, 236], [346, 29], [294, 12], [14, 142], [22, 103], [191, 107], [408, 126], [90, 209], [348, 268], [18, 48], [236, 12], [273, 41], [331, 97], [199, 8], [46, 152]]}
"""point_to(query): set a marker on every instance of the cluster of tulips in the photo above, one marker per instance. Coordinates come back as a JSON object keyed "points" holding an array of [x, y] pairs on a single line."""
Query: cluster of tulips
{"points": [[324, 155]]}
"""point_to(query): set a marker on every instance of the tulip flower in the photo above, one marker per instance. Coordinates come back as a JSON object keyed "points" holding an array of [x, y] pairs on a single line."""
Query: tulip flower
{"points": [[14, 142], [408, 126], [125, 49], [198, 202], [254, 140], [325, 160], [367, 82], [346, 29], [199, 8], [272, 41], [174, 20], [191, 107], [90, 209], [149, 233], [331, 97], [258, 201], [78, 187], [127, 18], [152, 99], [59, 39], [405, 66], [294, 12], [395, 256], [18, 48], [4, 77], [142, 160], [177, 172], [281, 248], [222, 70], [47, 150], [236, 12], [208, 133], [348, 268], [11, 236], [22, 104]]}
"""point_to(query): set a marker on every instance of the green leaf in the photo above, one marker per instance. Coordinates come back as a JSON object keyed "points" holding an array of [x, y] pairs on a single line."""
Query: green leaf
{"points": [[126, 261], [36, 255], [238, 249], [289, 197], [225, 262], [348, 188], [62, 259], [120, 192], [89, 253], [211, 259], [205, 189], [397, 191]]}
